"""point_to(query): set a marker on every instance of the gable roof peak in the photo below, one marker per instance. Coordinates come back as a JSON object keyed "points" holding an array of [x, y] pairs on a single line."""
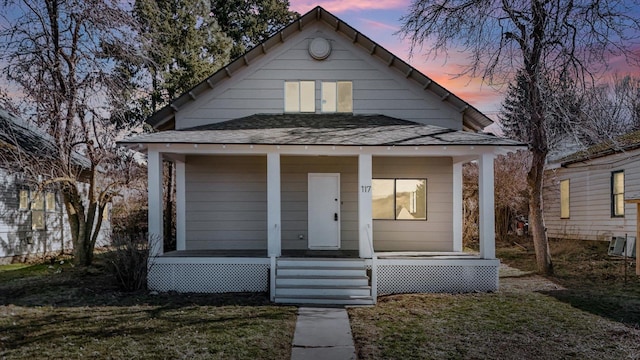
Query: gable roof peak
{"points": [[473, 119]]}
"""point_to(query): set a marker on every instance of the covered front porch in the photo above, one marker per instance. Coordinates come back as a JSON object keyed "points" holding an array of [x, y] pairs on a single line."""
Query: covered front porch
{"points": [[274, 261]]}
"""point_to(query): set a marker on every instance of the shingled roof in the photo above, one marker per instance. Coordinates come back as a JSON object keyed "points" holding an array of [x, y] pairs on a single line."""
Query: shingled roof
{"points": [[16, 133], [626, 142], [321, 129], [472, 118]]}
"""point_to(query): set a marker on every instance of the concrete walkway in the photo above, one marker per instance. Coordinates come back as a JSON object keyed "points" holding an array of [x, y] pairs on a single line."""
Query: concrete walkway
{"points": [[322, 333]]}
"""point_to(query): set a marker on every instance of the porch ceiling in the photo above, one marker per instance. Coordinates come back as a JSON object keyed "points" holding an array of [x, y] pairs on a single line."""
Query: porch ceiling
{"points": [[321, 129]]}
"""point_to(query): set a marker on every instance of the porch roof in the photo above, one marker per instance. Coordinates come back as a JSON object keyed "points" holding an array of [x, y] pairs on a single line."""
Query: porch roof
{"points": [[321, 129]]}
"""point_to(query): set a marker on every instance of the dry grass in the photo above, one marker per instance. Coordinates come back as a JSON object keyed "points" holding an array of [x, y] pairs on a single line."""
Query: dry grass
{"points": [[571, 316], [60, 312]]}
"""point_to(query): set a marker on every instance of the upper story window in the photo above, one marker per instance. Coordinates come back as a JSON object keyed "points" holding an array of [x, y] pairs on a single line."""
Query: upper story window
{"points": [[336, 96], [617, 193], [300, 96]]}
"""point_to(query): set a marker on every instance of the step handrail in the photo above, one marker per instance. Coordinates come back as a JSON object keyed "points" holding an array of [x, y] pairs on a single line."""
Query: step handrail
{"points": [[374, 266]]}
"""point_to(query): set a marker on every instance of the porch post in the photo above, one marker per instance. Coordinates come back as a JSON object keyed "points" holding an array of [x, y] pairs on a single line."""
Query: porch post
{"points": [[457, 206], [274, 246], [365, 213], [486, 205], [181, 233], [154, 169]]}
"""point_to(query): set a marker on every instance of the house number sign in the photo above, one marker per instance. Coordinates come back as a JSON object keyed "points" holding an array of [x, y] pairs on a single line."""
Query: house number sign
{"points": [[365, 188]]}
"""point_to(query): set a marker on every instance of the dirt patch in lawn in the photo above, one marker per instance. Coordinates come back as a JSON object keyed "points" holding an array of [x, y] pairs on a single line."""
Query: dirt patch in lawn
{"points": [[54, 310]]}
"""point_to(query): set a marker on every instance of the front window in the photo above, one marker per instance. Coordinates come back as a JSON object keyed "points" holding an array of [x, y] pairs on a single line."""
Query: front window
{"points": [[399, 199], [617, 193]]}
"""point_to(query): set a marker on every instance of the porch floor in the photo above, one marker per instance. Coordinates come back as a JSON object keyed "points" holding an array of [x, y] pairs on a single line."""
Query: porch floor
{"points": [[322, 254]]}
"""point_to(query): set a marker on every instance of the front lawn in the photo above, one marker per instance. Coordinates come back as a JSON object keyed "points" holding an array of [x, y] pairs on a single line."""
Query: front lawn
{"points": [[56, 311]]}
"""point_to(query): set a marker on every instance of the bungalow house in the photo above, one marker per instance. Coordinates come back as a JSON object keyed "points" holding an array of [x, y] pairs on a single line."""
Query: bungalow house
{"points": [[584, 193], [323, 169], [33, 221]]}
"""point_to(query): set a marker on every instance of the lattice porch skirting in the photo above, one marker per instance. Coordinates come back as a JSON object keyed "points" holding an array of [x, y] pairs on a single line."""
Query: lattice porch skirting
{"points": [[209, 275], [396, 276]]}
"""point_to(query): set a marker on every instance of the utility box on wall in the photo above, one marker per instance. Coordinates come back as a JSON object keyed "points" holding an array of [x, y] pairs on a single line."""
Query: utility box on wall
{"points": [[619, 244]]}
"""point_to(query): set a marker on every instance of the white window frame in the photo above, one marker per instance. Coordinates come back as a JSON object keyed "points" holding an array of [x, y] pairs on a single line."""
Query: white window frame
{"points": [[300, 96]]}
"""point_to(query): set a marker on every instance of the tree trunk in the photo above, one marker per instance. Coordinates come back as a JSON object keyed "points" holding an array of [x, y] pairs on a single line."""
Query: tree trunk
{"points": [[536, 219]]}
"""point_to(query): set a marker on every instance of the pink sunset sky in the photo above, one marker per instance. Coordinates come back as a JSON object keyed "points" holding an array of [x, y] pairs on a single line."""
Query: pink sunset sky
{"points": [[380, 21]]}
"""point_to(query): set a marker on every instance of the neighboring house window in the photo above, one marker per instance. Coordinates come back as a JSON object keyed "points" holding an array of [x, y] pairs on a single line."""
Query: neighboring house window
{"points": [[300, 96], [51, 201], [37, 211], [24, 199], [399, 199], [337, 96], [564, 199], [617, 193]]}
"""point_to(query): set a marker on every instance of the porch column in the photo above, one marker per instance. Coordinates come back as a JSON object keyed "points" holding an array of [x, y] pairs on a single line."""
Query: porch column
{"points": [[365, 213], [486, 205], [274, 246], [457, 206], [181, 208], [154, 169]]}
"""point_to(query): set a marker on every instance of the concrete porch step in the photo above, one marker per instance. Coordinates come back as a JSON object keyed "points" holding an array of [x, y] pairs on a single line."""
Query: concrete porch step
{"points": [[322, 280], [325, 300], [320, 271], [315, 290]]}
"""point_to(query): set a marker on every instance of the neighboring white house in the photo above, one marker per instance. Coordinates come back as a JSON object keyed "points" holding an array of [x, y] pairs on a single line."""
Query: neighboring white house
{"points": [[585, 192], [33, 221], [323, 169]]}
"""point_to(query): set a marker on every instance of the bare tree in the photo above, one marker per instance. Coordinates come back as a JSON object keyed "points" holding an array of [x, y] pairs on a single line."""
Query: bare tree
{"points": [[58, 55], [545, 39]]}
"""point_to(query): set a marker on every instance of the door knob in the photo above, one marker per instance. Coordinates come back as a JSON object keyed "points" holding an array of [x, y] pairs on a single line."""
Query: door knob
{"points": [[335, 216]]}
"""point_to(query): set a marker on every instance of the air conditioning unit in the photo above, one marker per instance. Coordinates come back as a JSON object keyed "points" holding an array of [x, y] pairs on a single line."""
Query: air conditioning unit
{"points": [[617, 246]]}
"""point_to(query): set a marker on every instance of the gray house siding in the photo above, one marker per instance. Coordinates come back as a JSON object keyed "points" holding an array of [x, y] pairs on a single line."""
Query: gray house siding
{"points": [[226, 202], [259, 88], [590, 198]]}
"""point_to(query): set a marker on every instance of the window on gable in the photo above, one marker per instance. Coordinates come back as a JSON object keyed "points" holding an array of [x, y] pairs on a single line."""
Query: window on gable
{"points": [[564, 199], [399, 199], [617, 193], [300, 96], [37, 211], [337, 96]]}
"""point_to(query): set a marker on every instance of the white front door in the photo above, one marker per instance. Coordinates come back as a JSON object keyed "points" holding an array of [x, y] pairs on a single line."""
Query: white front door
{"points": [[324, 211]]}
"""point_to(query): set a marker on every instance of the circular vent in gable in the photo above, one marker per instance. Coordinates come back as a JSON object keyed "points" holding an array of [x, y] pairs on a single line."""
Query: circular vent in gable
{"points": [[319, 48]]}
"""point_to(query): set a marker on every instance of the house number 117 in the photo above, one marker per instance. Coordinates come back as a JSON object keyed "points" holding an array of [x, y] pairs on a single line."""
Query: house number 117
{"points": [[365, 188]]}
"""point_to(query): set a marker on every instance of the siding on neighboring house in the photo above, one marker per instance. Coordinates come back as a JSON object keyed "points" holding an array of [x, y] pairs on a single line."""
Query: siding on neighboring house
{"points": [[259, 88], [17, 238], [590, 198]]}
